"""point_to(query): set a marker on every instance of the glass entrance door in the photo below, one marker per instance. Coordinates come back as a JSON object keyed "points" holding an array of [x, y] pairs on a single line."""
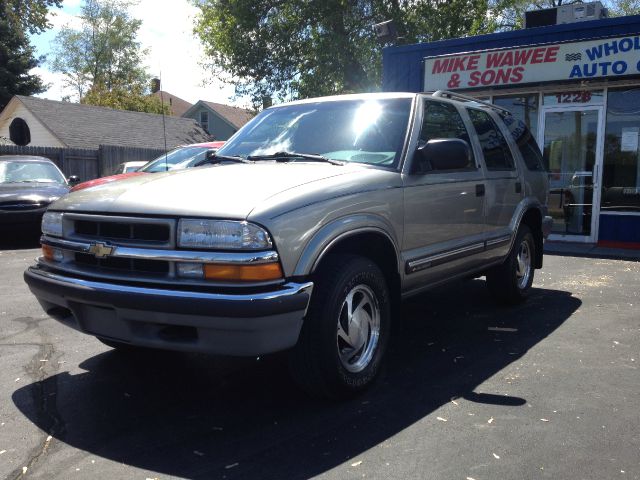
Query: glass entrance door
{"points": [[572, 147]]}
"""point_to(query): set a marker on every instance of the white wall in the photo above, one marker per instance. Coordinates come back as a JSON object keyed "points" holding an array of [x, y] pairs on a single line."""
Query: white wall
{"points": [[40, 136]]}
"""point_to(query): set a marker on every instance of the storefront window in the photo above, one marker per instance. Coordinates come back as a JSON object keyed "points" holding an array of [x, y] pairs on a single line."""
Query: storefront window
{"points": [[621, 173], [523, 107], [573, 97]]}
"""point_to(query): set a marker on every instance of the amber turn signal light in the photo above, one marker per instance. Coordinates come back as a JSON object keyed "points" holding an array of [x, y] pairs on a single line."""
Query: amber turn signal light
{"points": [[243, 273], [47, 252]]}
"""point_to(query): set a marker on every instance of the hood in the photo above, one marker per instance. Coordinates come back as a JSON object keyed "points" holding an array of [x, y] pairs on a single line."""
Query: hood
{"points": [[37, 191], [220, 191], [101, 180]]}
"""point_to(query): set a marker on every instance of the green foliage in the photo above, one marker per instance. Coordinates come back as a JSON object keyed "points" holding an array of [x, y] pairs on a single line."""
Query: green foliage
{"points": [[30, 14], [134, 99], [103, 58], [16, 53], [302, 48], [625, 7]]}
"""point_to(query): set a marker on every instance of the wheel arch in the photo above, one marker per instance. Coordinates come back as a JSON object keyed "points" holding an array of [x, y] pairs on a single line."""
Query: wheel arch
{"points": [[532, 217], [367, 236]]}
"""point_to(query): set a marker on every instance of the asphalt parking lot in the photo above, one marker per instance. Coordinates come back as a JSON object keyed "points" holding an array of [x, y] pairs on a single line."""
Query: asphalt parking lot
{"points": [[549, 389]]}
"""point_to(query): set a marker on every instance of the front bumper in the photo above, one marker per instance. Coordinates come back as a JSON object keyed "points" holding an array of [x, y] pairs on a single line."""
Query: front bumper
{"points": [[227, 324]]}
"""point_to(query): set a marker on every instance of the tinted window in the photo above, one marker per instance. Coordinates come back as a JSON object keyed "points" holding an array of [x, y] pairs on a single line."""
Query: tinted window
{"points": [[522, 107], [442, 120], [526, 143], [497, 155]]}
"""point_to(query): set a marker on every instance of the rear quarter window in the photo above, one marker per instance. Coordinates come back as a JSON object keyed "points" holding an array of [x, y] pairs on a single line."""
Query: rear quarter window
{"points": [[526, 143]]}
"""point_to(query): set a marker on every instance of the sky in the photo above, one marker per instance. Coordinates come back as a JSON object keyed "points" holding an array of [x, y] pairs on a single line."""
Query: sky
{"points": [[174, 51]]}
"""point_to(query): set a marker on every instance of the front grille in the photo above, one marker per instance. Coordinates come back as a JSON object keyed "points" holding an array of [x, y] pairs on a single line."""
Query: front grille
{"points": [[149, 267], [22, 205], [120, 230]]}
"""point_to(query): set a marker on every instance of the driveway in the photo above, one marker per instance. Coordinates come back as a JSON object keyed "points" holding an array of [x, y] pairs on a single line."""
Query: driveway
{"points": [[548, 389]]}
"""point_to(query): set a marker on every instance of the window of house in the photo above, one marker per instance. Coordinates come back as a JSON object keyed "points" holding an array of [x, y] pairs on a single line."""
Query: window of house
{"points": [[442, 120], [204, 120], [621, 170], [522, 107], [497, 155]]}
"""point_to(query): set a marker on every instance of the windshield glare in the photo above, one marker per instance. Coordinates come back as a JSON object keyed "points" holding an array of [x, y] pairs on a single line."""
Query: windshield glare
{"points": [[22, 172], [173, 158], [368, 131]]}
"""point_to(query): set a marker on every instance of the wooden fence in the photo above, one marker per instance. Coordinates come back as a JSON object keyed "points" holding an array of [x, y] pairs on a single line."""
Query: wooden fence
{"points": [[86, 163]]}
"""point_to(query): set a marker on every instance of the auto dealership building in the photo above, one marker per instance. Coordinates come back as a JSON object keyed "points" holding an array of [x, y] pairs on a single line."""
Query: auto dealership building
{"points": [[577, 87]]}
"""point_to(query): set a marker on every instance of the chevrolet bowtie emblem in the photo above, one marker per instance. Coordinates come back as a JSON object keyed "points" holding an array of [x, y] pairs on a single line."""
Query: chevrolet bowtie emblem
{"points": [[101, 250]]}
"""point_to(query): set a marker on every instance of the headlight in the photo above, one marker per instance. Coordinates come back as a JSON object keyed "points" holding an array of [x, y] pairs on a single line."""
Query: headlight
{"points": [[222, 234], [52, 224]]}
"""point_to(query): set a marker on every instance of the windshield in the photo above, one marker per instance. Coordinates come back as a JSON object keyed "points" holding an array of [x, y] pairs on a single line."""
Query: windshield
{"points": [[21, 172], [370, 131], [173, 158]]}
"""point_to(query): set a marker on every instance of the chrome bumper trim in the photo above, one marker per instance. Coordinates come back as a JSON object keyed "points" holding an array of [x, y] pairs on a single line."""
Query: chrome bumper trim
{"points": [[230, 258], [285, 290]]}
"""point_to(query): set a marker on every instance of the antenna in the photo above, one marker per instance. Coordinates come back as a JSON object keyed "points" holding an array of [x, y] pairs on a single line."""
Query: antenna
{"points": [[164, 128]]}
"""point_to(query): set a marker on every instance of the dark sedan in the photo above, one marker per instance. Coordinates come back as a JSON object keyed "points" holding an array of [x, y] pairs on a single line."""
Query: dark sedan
{"points": [[27, 186]]}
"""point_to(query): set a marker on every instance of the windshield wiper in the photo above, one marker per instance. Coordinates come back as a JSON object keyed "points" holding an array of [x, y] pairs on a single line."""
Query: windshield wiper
{"points": [[287, 156], [221, 158]]}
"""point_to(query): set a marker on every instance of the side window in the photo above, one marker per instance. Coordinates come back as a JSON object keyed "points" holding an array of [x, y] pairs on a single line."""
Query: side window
{"points": [[442, 120], [495, 148], [526, 143]]}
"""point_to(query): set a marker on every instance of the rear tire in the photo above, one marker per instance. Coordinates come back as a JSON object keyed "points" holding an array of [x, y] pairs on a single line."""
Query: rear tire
{"points": [[510, 283], [345, 333]]}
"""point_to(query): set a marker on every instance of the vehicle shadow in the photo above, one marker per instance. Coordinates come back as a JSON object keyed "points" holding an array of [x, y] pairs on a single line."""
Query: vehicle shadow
{"points": [[19, 239], [201, 417]]}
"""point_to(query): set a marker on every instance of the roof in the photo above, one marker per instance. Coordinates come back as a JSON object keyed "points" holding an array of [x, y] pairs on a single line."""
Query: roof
{"points": [[24, 158], [87, 126], [177, 105], [234, 115]]}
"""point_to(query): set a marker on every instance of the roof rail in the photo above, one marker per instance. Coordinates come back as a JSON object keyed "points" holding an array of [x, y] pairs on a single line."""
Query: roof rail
{"points": [[459, 96]]}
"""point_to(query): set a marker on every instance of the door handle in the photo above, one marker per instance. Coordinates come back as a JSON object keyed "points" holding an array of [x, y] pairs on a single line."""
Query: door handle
{"points": [[518, 187], [480, 190]]}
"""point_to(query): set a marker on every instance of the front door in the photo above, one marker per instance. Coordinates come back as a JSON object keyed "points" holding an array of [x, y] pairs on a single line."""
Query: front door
{"points": [[572, 146]]}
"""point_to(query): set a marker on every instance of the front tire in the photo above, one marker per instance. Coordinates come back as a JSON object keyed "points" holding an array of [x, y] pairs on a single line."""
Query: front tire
{"points": [[510, 283], [345, 333]]}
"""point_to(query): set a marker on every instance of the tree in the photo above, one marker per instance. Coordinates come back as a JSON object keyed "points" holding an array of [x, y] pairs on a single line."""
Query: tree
{"points": [[17, 17], [134, 99], [102, 61], [302, 48]]}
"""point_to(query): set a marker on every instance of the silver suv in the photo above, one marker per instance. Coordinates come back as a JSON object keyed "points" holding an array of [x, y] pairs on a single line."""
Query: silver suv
{"points": [[303, 234]]}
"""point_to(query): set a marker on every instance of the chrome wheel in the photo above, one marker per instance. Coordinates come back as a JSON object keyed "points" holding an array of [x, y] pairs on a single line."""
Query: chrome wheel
{"points": [[523, 265], [358, 328]]}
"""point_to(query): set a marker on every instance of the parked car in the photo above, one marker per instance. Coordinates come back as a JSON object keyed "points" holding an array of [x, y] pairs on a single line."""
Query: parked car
{"points": [[28, 184], [128, 167], [333, 211], [182, 157]]}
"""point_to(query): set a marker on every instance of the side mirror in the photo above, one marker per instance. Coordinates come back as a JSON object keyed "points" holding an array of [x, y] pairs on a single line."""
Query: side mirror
{"points": [[73, 180], [441, 154]]}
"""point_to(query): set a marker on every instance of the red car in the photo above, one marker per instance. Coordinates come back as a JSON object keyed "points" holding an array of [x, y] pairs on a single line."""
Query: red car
{"points": [[178, 158]]}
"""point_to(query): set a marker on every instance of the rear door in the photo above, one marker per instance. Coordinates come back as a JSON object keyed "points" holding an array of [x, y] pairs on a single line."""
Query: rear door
{"points": [[504, 189]]}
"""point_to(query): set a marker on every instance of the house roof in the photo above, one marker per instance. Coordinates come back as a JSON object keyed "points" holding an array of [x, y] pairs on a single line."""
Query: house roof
{"points": [[177, 105], [234, 115], [87, 126]]}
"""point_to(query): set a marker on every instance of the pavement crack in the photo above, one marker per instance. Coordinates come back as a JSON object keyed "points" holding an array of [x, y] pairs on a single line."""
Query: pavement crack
{"points": [[44, 389]]}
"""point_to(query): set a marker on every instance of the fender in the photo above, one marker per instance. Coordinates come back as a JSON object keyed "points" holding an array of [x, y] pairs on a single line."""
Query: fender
{"points": [[337, 230]]}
